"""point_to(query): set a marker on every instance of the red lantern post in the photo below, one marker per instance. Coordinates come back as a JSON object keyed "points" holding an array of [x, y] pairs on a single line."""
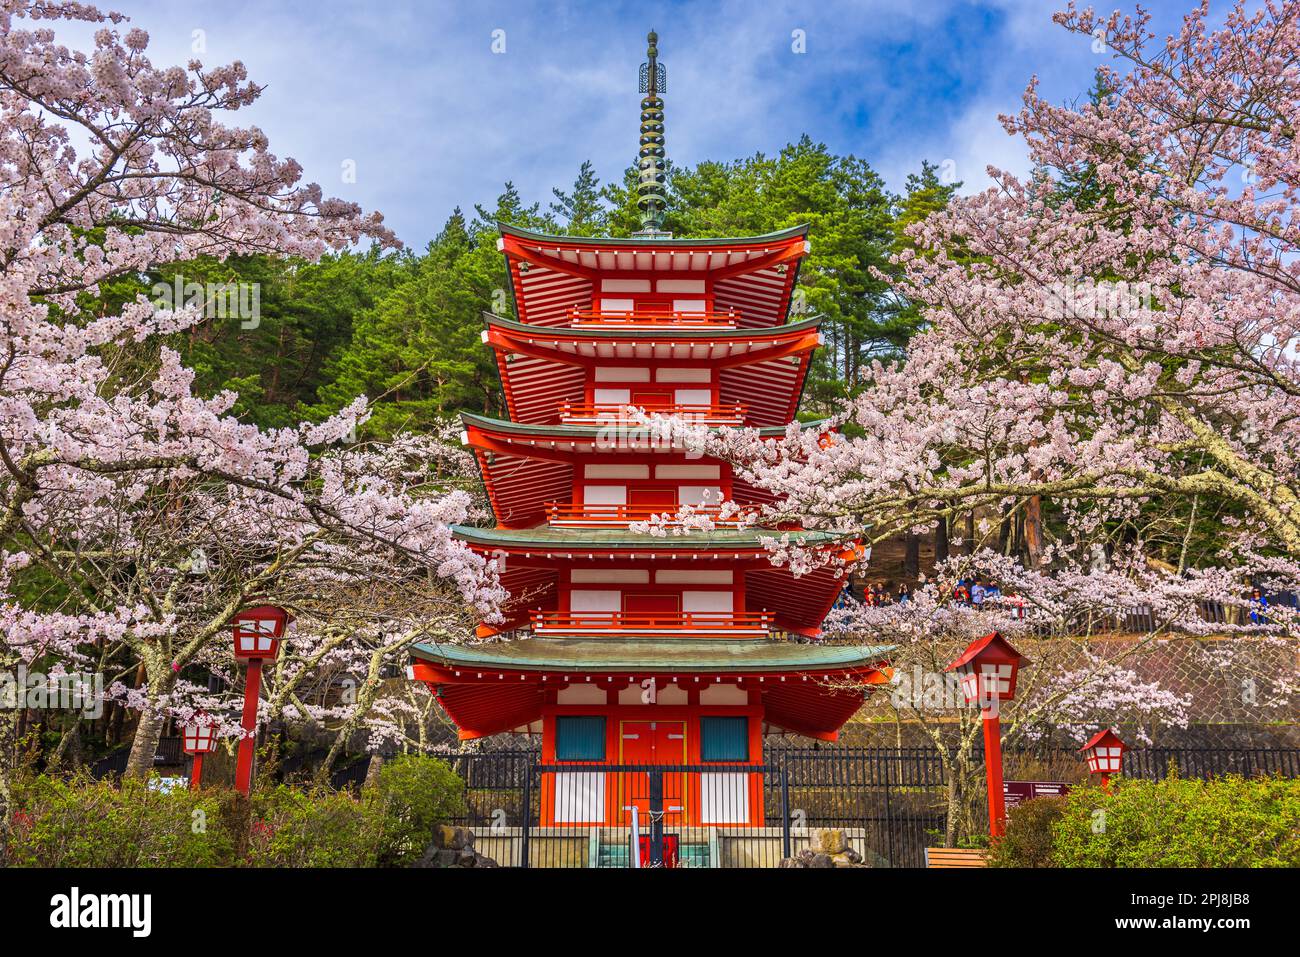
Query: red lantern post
{"points": [[1105, 754], [199, 738], [257, 636], [988, 670]]}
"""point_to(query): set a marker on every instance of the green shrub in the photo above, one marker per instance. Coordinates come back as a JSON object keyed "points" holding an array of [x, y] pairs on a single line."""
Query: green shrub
{"points": [[290, 827], [1226, 822], [1028, 841], [80, 822], [413, 794]]}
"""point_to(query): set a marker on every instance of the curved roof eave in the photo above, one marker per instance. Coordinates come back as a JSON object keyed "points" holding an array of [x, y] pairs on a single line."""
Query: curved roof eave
{"points": [[794, 232], [577, 536], [589, 431], [582, 655], [568, 332]]}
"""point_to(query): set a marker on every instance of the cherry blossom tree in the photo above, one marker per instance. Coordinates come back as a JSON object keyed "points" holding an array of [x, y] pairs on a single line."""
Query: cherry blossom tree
{"points": [[137, 517], [1142, 345], [362, 589], [1093, 662]]}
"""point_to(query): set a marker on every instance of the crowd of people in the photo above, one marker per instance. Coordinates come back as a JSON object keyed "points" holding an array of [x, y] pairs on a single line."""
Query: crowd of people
{"points": [[972, 593], [872, 593], [975, 592], [879, 594]]}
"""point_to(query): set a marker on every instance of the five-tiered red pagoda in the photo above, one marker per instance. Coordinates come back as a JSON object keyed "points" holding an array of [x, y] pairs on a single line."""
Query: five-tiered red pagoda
{"points": [[627, 648]]}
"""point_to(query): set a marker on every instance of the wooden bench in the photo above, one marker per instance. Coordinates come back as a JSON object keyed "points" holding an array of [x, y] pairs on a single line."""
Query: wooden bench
{"points": [[956, 857]]}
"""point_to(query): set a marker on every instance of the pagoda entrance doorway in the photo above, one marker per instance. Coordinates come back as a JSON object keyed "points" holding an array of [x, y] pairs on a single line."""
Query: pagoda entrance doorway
{"points": [[659, 796]]}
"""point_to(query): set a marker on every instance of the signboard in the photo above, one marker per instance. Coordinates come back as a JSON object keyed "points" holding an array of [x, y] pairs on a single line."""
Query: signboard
{"points": [[1013, 792], [168, 785]]}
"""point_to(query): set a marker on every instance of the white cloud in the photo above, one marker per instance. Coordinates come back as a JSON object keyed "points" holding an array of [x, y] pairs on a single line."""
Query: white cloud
{"points": [[978, 140], [411, 91]]}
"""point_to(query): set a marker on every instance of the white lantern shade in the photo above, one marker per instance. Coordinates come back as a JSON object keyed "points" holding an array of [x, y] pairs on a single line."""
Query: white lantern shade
{"points": [[257, 631], [1102, 760], [199, 738], [1104, 753], [256, 637], [987, 670], [986, 681]]}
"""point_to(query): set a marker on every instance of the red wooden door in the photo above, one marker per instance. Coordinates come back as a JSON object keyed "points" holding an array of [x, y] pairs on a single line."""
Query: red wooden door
{"points": [[660, 499], [669, 850], [652, 743], [651, 398], [654, 307], [663, 610]]}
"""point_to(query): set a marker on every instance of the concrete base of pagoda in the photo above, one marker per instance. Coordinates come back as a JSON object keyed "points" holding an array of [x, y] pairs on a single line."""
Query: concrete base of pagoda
{"points": [[688, 846]]}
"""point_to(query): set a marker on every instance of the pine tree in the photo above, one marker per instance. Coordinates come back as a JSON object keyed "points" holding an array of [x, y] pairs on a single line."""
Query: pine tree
{"points": [[416, 354], [581, 212]]}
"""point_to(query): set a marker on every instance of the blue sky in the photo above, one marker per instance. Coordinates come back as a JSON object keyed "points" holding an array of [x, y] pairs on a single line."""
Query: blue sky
{"points": [[412, 92]]}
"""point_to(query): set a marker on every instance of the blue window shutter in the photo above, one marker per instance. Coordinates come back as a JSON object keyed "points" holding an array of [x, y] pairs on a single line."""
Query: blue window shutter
{"points": [[579, 738], [724, 739]]}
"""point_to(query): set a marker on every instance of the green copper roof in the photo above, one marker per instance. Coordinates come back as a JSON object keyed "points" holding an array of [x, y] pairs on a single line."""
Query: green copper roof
{"points": [[588, 431], [664, 332], [791, 233], [680, 654], [621, 537]]}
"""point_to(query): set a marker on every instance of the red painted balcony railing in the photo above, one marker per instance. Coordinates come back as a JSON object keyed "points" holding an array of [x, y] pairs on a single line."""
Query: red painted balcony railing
{"points": [[744, 624], [577, 513], [578, 412], [645, 319]]}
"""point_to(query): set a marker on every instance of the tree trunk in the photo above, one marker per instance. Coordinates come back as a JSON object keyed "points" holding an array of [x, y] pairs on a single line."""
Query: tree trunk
{"points": [[8, 760], [956, 807], [372, 772], [144, 745], [322, 774], [970, 532], [1034, 531], [912, 558], [1187, 538], [68, 750], [113, 726], [114, 733], [365, 698], [941, 540], [148, 730]]}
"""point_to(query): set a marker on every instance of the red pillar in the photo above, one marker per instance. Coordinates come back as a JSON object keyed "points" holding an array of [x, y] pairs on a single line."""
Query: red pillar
{"points": [[248, 744], [196, 772], [993, 769]]}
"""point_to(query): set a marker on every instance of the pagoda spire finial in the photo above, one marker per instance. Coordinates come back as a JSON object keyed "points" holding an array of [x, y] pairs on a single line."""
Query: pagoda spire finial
{"points": [[652, 196]]}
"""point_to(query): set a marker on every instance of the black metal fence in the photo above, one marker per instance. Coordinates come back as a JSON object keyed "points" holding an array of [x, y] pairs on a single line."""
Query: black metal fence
{"points": [[168, 753], [1155, 763], [888, 803]]}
